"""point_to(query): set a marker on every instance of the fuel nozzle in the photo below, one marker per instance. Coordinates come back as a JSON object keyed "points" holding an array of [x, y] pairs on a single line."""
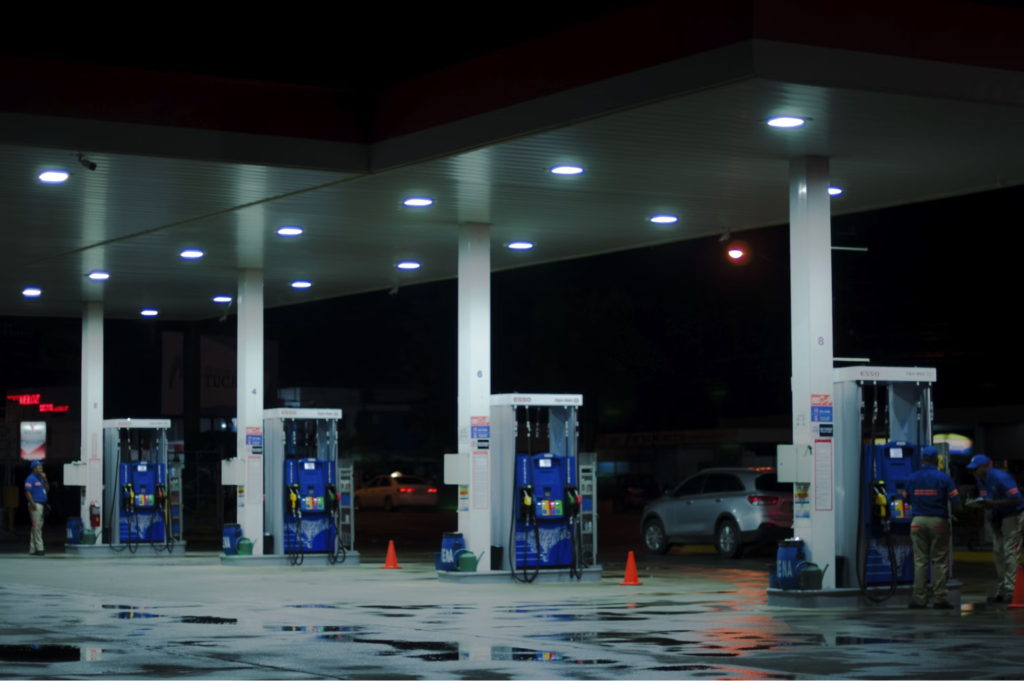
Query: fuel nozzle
{"points": [[573, 500], [525, 501]]}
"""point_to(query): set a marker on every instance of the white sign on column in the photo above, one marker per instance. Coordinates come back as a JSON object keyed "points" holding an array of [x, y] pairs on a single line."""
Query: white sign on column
{"points": [[810, 242], [250, 404], [92, 407], [475, 385]]}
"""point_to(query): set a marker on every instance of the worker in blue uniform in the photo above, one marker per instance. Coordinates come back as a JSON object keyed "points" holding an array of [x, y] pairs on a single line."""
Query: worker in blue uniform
{"points": [[36, 489], [930, 493], [999, 494]]}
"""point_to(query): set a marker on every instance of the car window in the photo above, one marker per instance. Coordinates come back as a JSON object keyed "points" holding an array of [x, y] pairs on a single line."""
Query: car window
{"points": [[691, 486], [410, 480], [723, 482], [769, 482]]}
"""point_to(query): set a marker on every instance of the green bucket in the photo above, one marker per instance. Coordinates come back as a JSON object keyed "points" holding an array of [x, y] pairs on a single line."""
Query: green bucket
{"points": [[88, 537], [244, 547]]}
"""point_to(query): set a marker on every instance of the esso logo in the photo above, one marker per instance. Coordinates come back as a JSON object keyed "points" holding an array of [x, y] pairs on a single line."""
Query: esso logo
{"points": [[870, 374], [521, 399]]}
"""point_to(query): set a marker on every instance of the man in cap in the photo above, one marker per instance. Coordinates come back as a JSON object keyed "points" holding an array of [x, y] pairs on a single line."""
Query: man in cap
{"points": [[36, 489], [998, 492], [929, 492]]}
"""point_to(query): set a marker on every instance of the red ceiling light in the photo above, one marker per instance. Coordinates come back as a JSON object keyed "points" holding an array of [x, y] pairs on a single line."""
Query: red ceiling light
{"points": [[737, 253]]}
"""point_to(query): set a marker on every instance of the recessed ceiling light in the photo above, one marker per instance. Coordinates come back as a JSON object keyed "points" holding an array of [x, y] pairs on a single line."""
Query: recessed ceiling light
{"points": [[53, 177], [786, 122], [735, 253], [520, 245], [835, 191], [222, 299], [567, 170], [99, 275], [149, 312], [290, 231], [192, 254], [301, 283], [408, 265], [418, 202], [664, 219], [32, 292]]}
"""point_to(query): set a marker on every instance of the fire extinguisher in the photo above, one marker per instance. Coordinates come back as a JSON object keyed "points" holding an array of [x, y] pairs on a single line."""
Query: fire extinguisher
{"points": [[94, 515]]}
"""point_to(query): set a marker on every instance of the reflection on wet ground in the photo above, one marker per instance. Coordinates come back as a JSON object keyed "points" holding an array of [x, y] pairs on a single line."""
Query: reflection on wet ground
{"points": [[693, 624], [39, 653]]}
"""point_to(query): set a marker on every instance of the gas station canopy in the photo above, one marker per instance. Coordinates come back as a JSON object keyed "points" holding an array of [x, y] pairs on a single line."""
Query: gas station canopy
{"points": [[664, 107]]}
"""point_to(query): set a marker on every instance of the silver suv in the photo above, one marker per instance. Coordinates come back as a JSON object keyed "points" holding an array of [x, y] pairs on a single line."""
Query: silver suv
{"points": [[732, 507]]}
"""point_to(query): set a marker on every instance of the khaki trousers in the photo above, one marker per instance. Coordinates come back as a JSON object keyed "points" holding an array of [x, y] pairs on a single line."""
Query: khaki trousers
{"points": [[930, 535], [1006, 543], [35, 544]]}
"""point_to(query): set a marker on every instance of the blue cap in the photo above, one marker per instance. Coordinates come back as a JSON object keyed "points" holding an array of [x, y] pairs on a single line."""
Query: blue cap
{"points": [[978, 460], [930, 452], [35, 463]]}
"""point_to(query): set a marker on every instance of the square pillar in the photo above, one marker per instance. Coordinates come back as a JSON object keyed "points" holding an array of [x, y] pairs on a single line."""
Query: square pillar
{"points": [[92, 409], [810, 243], [475, 386], [250, 404]]}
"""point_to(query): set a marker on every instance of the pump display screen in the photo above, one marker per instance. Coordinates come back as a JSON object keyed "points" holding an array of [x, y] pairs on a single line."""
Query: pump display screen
{"points": [[544, 463], [309, 466], [895, 453]]}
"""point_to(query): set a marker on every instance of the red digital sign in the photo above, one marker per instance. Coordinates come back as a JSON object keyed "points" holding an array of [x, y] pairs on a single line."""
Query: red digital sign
{"points": [[34, 400]]}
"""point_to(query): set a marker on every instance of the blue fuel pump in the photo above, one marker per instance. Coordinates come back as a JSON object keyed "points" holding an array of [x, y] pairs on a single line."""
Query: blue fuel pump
{"points": [[887, 553], [143, 516], [547, 529], [311, 510]]}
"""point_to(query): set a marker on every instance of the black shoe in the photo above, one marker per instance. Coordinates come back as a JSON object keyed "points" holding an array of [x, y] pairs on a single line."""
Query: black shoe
{"points": [[998, 598], [40, 553], [944, 606], [917, 606]]}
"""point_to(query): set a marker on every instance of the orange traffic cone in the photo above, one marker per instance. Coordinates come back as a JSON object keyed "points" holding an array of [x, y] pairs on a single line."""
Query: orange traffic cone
{"points": [[631, 578], [391, 562], [1018, 590]]}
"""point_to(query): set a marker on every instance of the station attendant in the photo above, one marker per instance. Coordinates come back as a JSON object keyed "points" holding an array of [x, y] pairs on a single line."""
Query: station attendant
{"points": [[999, 493], [930, 492], [36, 489]]}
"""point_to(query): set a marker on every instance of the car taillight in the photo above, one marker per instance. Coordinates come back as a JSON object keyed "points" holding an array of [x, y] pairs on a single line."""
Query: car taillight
{"points": [[408, 490], [432, 490], [758, 500]]}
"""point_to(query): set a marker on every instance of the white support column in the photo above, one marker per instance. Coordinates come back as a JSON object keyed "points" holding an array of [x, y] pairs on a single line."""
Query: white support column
{"points": [[475, 386], [250, 404], [810, 243], [92, 409]]}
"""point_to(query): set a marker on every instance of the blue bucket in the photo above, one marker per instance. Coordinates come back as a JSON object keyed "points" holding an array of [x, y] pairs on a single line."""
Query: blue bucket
{"points": [[791, 553], [438, 565], [232, 533], [451, 542], [74, 531]]}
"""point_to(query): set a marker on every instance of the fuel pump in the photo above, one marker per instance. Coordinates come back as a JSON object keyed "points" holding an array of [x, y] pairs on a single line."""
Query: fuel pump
{"points": [[143, 505], [311, 525], [886, 553], [524, 516]]}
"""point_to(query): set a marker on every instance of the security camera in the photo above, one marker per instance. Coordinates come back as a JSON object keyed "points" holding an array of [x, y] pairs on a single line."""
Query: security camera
{"points": [[86, 162], [393, 292]]}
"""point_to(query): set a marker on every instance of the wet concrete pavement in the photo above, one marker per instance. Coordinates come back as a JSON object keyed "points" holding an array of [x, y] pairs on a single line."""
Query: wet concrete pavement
{"points": [[694, 617]]}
